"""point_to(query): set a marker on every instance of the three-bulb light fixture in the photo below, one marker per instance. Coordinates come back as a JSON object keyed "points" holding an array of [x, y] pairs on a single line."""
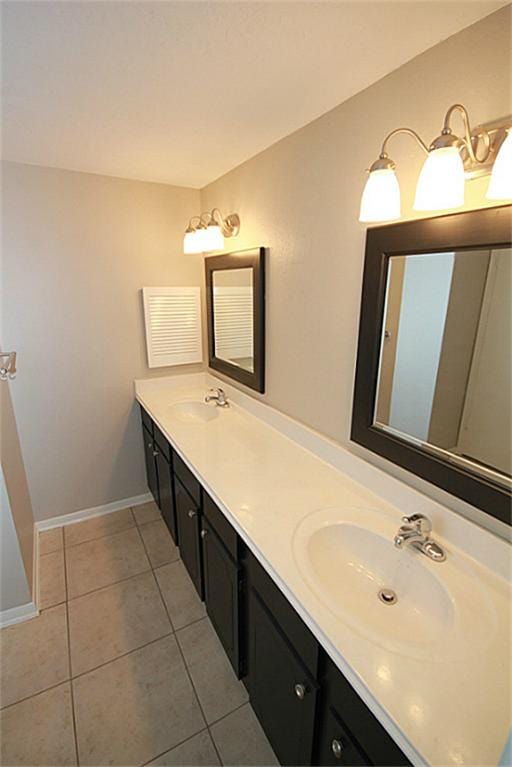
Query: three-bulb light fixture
{"points": [[449, 161], [205, 233]]}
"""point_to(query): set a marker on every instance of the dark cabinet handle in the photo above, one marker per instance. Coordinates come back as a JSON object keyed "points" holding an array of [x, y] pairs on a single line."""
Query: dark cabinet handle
{"points": [[300, 691], [155, 453], [192, 513], [337, 748], [150, 445], [204, 533]]}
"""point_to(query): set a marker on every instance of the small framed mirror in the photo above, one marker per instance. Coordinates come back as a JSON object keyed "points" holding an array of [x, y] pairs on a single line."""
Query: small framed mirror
{"points": [[433, 390], [235, 294]]}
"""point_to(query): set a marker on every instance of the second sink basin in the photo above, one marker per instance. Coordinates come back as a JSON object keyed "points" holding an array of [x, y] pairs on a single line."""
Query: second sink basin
{"points": [[193, 411], [397, 599]]}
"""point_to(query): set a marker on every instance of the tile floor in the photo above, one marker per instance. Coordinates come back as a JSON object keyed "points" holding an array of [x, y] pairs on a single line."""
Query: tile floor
{"points": [[122, 666]]}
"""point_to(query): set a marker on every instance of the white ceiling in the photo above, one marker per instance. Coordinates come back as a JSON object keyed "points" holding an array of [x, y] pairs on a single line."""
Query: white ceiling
{"points": [[181, 92]]}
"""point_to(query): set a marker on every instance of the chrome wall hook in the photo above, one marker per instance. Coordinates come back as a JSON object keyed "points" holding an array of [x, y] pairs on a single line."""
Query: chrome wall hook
{"points": [[7, 365]]}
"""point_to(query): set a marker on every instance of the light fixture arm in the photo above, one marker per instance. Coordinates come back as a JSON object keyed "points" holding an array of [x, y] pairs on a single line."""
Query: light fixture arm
{"points": [[230, 226], [468, 133], [407, 131]]}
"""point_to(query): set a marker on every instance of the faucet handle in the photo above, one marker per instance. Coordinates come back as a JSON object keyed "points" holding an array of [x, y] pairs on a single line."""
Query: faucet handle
{"points": [[420, 522]]}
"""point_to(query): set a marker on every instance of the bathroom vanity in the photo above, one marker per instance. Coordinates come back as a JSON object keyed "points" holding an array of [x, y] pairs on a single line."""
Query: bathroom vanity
{"points": [[289, 554]]}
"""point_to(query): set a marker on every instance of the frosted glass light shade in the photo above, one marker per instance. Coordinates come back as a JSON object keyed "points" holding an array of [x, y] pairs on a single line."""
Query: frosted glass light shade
{"points": [[500, 185], [381, 197], [441, 182], [214, 239], [202, 239], [191, 243]]}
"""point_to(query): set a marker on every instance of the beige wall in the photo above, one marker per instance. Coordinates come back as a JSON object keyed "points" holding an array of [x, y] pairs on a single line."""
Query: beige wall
{"points": [[77, 249], [300, 198]]}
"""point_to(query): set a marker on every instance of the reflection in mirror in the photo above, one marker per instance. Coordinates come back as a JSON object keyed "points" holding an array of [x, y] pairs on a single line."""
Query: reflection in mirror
{"points": [[445, 377], [233, 316]]}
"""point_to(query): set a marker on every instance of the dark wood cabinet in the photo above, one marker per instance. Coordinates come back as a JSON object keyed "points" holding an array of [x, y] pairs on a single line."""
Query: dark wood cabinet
{"points": [[188, 515], [282, 692], [222, 583], [166, 492], [308, 710], [151, 470]]}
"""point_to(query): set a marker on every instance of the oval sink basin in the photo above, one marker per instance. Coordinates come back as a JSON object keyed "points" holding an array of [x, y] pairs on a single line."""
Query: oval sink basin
{"points": [[193, 412], [396, 598]]}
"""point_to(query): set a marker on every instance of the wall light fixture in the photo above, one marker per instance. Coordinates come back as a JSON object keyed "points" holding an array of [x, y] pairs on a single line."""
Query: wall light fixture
{"points": [[450, 160], [205, 233]]}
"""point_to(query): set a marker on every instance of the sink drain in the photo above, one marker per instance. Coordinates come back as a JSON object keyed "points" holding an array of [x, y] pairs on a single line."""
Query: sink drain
{"points": [[387, 596]]}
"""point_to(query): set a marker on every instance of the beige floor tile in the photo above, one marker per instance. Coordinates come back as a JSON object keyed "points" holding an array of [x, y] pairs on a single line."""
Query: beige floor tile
{"points": [[179, 594], [39, 731], [104, 561], [33, 655], [52, 580], [51, 540], [146, 512], [198, 751], [136, 707], [160, 547], [218, 689], [240, 740], [115, 620], [98, 527]]}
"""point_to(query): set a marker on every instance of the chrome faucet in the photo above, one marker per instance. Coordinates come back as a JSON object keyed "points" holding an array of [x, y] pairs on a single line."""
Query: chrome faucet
{"points": [[416, 532], [219, 397]]}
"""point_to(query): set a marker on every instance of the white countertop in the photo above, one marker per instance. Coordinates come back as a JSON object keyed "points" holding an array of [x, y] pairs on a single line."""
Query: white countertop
{"points": [[451, 708]]}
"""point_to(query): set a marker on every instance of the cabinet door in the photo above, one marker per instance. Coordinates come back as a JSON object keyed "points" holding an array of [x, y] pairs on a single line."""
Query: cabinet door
{"points": [[151, 470], [221, 593], [282, 692], [335, 746], [187, 514], [166, 493]]}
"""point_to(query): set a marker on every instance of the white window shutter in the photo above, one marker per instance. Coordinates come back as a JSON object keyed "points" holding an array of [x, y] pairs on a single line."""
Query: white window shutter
{"points": [[173, 326]]}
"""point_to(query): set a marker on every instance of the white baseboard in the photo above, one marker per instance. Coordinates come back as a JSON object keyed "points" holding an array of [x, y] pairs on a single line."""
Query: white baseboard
{"points": [[95, 511], [18, 614]]}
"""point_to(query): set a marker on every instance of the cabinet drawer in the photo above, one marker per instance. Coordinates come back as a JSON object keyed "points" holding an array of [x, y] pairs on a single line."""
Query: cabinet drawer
{"points": [[358, 720], [293, 627], [146, 420], [220, 524], [187, 478], [162, 443]]}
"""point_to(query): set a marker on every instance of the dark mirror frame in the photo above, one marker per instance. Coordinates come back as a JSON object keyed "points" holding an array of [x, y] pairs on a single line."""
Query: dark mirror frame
{"points": [[486, 228], [242, 259]]}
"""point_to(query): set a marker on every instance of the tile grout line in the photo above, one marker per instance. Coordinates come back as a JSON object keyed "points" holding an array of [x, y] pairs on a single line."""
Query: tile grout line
{"points": [[107, 534], [176, 746], [108, 585], [99, 537], [179, 647], [185, 665], [173, 631], [123, 655], [74, 599], [36, 694], [73, 714], [224, 716]]}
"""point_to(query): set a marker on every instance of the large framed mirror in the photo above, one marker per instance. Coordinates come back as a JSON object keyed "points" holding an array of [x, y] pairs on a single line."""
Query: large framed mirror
{"points": [[235, 295], [433, 387]]}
